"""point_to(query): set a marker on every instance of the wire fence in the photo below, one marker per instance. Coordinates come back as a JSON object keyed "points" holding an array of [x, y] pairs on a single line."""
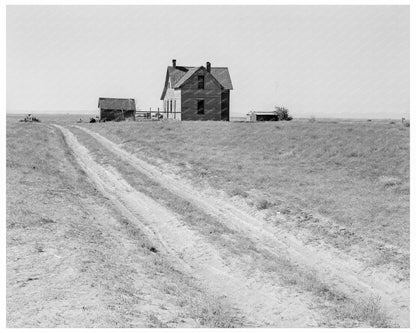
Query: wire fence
{"points": [[157, 115]]}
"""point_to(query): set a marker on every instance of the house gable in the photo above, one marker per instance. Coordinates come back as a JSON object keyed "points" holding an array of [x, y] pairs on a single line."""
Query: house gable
{"points": [[178, 75], [197, 71]]}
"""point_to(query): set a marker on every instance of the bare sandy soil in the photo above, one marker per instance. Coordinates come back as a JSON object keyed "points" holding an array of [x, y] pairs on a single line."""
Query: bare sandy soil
{"points": [[338, 271], [189, 247], [74, 261], [263, 302]]}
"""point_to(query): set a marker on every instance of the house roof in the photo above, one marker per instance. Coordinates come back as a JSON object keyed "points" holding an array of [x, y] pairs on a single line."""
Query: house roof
{"points": [[180, 74], [223, 76], [117, 103], [184, 77]]}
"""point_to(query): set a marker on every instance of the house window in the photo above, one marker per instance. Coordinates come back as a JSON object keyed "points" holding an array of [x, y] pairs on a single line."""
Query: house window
{"points": [[171, 106], [201, 82], [201, 107], [167, 106]]}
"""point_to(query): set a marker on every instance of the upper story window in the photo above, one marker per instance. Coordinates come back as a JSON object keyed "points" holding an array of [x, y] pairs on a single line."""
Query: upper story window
{"points": [[201, 82]]}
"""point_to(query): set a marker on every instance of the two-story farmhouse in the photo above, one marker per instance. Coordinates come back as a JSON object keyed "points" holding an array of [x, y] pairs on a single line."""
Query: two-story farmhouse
{"points": [[197, 93]]}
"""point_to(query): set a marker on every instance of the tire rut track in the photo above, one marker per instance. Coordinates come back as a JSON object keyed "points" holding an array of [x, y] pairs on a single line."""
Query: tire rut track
{"points": [[262, 302], [347, 276]]}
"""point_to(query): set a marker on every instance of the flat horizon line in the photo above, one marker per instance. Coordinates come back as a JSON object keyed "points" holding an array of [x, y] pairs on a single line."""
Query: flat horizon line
{"points": [[241, 116]]}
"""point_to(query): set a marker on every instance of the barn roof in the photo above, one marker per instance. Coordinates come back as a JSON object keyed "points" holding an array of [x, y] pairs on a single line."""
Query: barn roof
{"points": [[180, 74], [127, 104]]}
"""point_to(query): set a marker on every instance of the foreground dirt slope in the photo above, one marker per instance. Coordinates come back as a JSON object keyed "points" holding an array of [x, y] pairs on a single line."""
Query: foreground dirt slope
{"points": [[262, 302], [344, 183], [345, 285], [182, 254], [341, 272], [74, 261]]}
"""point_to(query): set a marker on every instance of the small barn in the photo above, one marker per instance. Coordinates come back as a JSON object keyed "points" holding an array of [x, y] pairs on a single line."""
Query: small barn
{"points": [[117, 109], [262, 116]]}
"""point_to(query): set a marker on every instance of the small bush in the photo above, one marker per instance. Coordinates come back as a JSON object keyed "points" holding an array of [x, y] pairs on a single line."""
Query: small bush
{"points": [[262, 204], [282, 113], [312, 119], [367, 310], [214, 313], [389, 181], [153, 249], [39, 247], [406, 123], [353, 154], [155, 322], [236, 191], [46, 220]]}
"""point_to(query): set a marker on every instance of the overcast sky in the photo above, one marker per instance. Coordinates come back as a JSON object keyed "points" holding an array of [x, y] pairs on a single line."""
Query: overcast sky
{"points": [[322, 61]]}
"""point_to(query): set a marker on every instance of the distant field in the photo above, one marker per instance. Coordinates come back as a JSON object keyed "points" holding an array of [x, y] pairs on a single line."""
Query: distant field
{"points": [[328, 175], [53, 118]]}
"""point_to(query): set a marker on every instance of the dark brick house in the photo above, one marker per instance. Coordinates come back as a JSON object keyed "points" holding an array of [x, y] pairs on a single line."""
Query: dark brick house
{"points": [[117, 108], [197, 93]]}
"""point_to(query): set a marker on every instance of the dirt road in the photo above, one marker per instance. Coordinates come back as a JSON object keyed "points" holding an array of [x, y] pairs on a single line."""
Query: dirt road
{"points": [[264, 303], [74, 261], [264, 299]]}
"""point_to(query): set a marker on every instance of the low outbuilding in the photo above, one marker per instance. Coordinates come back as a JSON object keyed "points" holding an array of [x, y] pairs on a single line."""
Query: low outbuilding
{"points": [[117, 109], [262, 116]]}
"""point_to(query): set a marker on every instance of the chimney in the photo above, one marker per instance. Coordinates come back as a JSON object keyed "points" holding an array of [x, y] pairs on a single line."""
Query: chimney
{"points": [[174, 63], [208, 67]]}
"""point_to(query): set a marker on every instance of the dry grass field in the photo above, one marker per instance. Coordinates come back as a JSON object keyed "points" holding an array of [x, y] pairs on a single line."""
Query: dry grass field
{"points": [[347, 182], [210, 224], [75, 261]]}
